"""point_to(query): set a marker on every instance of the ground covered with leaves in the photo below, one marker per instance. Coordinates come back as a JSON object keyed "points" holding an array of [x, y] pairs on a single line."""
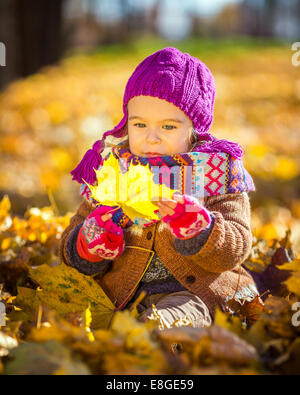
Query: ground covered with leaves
{"points": [[59, 321]]}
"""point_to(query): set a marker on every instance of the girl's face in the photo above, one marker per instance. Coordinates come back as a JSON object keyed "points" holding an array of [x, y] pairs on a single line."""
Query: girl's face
{"points": [[157, 127]]}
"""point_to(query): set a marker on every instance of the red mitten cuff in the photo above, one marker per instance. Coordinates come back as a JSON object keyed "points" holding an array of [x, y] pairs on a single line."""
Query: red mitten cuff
{"points": [[189, 218], [108, 245], [104, 239], [98, 240], [82, 249]]}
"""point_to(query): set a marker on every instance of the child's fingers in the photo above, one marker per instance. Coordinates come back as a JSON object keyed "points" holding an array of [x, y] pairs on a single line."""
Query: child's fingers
{"points": [[165, 211], [178, 198], [106, 217], [162, 211], [167, 203]]}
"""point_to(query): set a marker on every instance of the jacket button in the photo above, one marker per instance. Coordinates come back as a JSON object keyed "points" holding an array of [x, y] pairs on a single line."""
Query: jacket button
{"points": [[190, 279], [149, 235]]}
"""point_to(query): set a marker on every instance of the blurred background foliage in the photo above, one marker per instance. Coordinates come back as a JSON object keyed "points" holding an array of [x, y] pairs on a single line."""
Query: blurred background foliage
{"points": [[68, 63]]}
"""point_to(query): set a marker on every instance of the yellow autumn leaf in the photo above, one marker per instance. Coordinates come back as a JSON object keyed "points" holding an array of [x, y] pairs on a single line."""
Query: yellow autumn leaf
{"points": [[49, 178], [293, 266], [44, 237], [60, 159], [58, 112], [228, 321], [87, 323], [268, 231], [32, 237], [5, 206], [5, 244], [5, 219], [286, 168], [293, 282], [259, 150], [134, 190], [136, 333]]}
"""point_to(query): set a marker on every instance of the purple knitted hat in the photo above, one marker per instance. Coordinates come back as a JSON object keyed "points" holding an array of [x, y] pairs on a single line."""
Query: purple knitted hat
{"points": [[178, 78]]}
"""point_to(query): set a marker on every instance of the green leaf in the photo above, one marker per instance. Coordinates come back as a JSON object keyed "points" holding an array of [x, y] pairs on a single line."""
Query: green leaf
{"points": [[44, 358], [28, 302], [65, 290]]}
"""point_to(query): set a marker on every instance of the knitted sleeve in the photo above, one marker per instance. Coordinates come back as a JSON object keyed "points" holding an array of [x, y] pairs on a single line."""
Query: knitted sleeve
{"points": [[229, 240], [82, 212]]}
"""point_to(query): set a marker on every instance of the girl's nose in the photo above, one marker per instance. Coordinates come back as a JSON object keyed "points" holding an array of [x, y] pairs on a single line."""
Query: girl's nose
{"points": [[152, 136]]}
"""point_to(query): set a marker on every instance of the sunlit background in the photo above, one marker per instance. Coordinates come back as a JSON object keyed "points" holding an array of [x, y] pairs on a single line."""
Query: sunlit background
{"points": [[67, 64]]}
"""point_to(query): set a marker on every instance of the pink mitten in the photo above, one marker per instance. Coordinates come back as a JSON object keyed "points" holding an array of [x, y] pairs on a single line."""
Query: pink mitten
{"points": [[189, 218], [100, 239]]}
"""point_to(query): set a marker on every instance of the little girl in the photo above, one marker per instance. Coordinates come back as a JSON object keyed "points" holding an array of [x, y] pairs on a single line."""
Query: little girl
{"points": [[190, 260]]}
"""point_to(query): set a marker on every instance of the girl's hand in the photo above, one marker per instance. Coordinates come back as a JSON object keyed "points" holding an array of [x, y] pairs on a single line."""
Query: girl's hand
{"points": [[102, 236], [185, 216]]}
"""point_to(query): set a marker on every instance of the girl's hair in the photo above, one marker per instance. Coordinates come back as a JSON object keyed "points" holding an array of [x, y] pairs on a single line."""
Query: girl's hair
{"points": [[194, 142]]}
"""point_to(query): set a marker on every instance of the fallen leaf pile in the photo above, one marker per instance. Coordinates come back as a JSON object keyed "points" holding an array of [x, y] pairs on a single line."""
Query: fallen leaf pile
{"points": [[59, 321]]}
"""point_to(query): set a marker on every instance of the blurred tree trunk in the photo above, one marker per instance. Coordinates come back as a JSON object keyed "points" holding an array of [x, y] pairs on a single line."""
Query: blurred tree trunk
{"points": [[126, 21], [269, 18], [259, 19], [31, 32]]}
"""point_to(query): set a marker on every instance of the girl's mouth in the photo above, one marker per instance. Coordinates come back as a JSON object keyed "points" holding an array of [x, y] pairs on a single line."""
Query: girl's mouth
{"points": [[152, 154]]}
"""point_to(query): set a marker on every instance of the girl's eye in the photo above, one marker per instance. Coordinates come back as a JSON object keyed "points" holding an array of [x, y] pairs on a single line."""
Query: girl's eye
{"points": [[171, 126]]}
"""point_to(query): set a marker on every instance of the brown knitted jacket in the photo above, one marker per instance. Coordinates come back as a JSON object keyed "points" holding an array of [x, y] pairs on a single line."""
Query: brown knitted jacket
{"points": [[214, 273]]}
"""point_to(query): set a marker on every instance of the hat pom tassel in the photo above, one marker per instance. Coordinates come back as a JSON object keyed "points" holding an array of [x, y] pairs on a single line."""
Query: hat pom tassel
{"points": [[212, 144], [85, 170], [230, 147]]}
